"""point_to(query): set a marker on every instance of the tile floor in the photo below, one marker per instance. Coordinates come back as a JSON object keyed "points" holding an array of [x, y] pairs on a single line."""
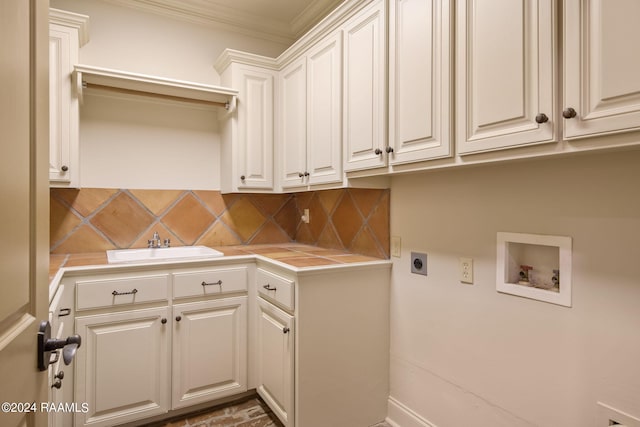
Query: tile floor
{"points": [[249, 412]]}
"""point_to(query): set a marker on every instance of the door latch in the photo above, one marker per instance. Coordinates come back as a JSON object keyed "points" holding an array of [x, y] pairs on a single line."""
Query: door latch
{"points": [[47, 345]]}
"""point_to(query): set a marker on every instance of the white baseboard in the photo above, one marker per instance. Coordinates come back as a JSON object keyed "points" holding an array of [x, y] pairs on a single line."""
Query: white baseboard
{"points": [[398, 415]]}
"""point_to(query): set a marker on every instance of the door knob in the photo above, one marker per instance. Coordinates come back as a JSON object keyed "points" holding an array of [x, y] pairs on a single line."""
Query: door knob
{"points": [[46, 345], [569, 113], [542, 118]]}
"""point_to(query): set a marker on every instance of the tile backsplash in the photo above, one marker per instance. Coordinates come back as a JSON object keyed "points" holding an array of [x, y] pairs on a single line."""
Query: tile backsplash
{"points": [[96, 219]]}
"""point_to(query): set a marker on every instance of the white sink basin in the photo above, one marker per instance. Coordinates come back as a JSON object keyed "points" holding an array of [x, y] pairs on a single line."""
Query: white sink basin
{"points": [[161, 254]]}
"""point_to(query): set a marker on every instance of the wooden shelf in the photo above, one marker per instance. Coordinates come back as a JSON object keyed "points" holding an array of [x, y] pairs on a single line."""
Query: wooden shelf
{"points": [[87, 76]]}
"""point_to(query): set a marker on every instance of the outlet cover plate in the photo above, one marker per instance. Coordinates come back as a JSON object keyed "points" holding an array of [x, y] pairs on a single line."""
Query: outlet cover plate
{"points": [[419, 263]]}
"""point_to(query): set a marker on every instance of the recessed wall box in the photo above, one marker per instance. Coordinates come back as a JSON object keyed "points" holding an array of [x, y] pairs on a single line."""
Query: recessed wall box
{"points": [[534, 266]]}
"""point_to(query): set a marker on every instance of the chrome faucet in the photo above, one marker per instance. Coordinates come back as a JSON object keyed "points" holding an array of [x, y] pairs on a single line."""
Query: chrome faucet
{"points": [[156, 242]]}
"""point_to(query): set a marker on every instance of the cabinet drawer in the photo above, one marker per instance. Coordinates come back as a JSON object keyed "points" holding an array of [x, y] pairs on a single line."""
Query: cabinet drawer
{"points": [[209, 282], [120, 291], [276, 288]]}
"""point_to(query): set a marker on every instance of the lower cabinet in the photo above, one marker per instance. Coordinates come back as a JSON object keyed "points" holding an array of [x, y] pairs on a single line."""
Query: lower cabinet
{"points": [[322, 344], [123, 371], [209, 350], [158, 340], [275, 352]]}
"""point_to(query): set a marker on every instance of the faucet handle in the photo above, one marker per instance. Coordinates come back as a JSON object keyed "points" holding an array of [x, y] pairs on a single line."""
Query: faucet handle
{"points": [[167, 242], [156, 236]]}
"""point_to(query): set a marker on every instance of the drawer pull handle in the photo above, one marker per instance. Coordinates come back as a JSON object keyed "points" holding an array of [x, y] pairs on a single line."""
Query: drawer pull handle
{"points": [[219, 283], [132, 292], [285, 330], [268, 287], [64, 312]]}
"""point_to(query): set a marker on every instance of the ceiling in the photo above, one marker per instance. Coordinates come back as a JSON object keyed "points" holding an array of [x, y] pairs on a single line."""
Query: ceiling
{"points": [[278, 20]]}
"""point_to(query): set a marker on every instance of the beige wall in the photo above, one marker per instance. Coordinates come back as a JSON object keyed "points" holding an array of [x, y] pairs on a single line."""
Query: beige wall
{"points": [[469, 356]]}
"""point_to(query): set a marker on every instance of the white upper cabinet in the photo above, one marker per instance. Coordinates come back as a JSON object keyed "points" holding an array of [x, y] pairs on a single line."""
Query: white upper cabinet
{"points": [[310, 124], [601, 69], [324, 111], [248, 131], [420, 87], [293, 123], [505, 74], [365, 98], [67, 33]]}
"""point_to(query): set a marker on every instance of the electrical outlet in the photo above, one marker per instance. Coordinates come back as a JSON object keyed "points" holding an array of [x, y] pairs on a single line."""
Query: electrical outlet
{"points": [[305, 216], [466, 270], [396, 246], [419, 263]]}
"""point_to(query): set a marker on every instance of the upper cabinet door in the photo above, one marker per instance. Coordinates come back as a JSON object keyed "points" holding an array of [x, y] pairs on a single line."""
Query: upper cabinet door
{"points": [[419, 80], [602, 71], [505, 74], [255, 129], [324, 111], [364, 89], [293, 123]]}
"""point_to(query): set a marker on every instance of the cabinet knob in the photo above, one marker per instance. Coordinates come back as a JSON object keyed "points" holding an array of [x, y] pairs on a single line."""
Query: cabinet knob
{"points": [[378, 151], [306, 174], [389, 149], [285, 330], [542, 118], [57, 384], [300, 174], [569, 113], [242, 178], [163, 320], [178, 318], [64, 168]]}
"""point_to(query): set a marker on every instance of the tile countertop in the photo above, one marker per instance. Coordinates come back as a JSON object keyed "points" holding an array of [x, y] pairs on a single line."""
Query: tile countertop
{"points": [[297, 257]]}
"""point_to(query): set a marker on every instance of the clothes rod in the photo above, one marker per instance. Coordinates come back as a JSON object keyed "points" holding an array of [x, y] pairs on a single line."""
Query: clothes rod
{"points": [[156, 95]]}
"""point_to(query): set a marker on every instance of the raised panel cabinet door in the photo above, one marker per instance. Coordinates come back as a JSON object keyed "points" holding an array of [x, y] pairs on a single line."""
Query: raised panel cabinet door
{"points": [[324, 111], [293, 124], [505, 74], [275, 360], [209, 350], [364, 112], [123, 366], [420, 81], [255, 129], [63, 110], [601, 67]]}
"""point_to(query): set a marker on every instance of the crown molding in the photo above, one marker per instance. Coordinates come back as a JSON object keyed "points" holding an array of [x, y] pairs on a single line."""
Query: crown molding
{"points": [[229, 56], [307, 18], [72, 20]]}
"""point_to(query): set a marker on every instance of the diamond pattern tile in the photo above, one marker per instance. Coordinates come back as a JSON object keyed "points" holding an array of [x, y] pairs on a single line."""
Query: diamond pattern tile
{"points": [[243, 218], [122, 220], [318, 217], [270, 233], [85, 239], [157, 201], [365, 199], [61, 221], [343, 219], [188, 219], [215, 201], [347, 220], [219, 235], [85, 201]]}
